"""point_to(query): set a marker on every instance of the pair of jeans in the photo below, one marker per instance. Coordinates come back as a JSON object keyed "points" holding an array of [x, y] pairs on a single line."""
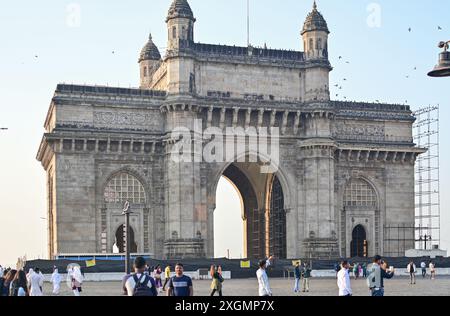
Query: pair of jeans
{"points": [[379, 292], [297, 283], [424, 272]]}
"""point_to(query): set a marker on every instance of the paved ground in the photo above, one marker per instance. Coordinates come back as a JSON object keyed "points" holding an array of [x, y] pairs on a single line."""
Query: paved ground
{"points": [[283, 287]]}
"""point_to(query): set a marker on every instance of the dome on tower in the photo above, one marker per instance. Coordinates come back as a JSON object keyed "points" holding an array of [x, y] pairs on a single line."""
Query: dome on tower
{"points": [[315, 21], [180, 9], [150, 51]]}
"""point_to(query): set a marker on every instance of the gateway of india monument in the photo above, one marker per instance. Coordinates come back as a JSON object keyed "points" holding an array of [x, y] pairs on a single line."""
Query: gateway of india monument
{"points": [[343, 181]]}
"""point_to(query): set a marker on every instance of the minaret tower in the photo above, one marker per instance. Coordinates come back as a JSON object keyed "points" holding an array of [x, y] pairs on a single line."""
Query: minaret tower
{"points": [[180, 24], [149, 62], [315, 40]]}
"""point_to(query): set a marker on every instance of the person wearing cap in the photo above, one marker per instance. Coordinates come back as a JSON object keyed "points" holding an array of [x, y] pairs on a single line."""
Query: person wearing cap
{"points": [[263, 280], [376, 276]]}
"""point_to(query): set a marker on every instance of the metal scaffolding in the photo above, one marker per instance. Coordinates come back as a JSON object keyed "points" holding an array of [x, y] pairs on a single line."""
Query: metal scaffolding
{"points": [[427, 189]]}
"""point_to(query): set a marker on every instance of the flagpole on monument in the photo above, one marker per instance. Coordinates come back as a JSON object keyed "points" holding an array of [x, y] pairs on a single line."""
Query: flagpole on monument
{"points": [[127, 212]]}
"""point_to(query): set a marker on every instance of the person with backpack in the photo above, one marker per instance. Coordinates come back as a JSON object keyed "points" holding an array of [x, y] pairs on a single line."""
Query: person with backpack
{"points": [[180, 284], [377, 274], [411, 269], [140, 283]]}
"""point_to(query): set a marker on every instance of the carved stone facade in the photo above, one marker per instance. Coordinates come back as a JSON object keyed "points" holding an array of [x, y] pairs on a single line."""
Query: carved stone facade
{"points": [[341, 165]]}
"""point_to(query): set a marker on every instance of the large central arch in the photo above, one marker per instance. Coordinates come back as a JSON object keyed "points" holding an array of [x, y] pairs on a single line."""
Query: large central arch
{"points": [[264, 211]]}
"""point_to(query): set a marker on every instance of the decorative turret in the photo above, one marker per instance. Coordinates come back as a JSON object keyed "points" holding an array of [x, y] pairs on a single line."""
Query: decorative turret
{"points": [[315, 39], [315, 35], [149, 61], [180, 24]]}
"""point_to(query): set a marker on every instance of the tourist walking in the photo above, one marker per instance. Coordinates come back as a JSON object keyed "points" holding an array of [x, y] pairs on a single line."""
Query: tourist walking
{"points": [[432, 270], [411, 269], [343, 280], [157, 274], [180, 284], [337, 268], [298, 276], [167, 277], [377, 273], [19, 284], [263, 280], [36, 281], [56, 281], [423, 266], [76, 280], [140, 283], [306, 275], [217, 280]]}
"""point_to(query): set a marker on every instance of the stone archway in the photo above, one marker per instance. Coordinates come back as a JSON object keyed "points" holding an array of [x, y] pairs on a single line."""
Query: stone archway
{"points": [[358, 245], [264, 213]]}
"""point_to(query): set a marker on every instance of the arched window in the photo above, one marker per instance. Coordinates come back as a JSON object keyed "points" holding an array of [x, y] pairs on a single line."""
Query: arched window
{"points": [[311, 44], [319, 44], [124, 187], [145, 71], [174, 32], [183, 32], [360, 193]]}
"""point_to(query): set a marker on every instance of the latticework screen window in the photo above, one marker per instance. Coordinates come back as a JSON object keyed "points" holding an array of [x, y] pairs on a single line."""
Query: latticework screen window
{"points": [[124, 187], [360, 193]]}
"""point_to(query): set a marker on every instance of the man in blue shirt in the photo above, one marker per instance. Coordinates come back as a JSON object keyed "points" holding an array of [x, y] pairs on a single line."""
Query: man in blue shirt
{"points": [[180, 284]]}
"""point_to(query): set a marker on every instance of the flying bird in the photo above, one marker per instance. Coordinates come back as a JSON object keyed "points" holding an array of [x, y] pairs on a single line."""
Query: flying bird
{"points": [[410, 30], [407, 77], [439, 28], [336, 85], [345, 79], [340, 57], [347, 62], [36, 56]]}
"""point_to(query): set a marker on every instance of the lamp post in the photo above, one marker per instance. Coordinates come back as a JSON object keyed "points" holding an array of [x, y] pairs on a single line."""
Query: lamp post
{"points": [[127, 212], [442, 69]]}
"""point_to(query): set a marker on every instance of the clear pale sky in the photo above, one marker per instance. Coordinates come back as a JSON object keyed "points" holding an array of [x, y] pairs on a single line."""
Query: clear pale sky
{"points": [[80, 51]]}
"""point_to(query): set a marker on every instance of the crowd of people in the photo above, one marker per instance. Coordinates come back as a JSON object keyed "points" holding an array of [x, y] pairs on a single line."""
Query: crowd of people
{"points": [[148, 281], [15, 282]]}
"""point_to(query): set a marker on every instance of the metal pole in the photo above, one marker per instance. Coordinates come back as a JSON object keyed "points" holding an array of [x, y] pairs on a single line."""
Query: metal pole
{"points": [[127, 262], [126, 212]]}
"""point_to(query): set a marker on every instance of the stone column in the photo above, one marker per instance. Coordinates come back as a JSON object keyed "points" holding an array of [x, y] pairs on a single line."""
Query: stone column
{"points": [[320, 240], [185, 211]]}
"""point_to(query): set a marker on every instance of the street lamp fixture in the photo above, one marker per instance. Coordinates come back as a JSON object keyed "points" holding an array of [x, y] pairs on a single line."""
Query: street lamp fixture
{"points": [[442, 69], [127, 212]]}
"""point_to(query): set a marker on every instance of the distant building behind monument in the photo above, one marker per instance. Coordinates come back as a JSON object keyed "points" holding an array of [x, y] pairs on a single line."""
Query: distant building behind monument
{"points": [[345, 173]]}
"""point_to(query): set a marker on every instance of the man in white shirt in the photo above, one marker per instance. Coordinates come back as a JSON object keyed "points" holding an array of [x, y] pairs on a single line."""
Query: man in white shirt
{"points": [[343, 280], [263, 280], [139, 283]]}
